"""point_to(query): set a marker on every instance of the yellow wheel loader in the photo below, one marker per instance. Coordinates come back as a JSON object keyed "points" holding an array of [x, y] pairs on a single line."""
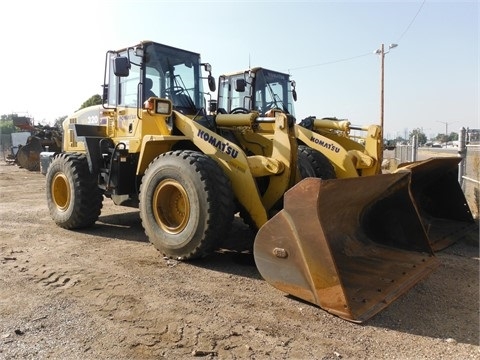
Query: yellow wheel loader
{"points": [[346, 246], [341, 154]]}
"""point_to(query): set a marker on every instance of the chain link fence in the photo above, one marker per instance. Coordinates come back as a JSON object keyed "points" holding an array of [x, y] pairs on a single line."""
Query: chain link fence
{"points": [[468, 168]]}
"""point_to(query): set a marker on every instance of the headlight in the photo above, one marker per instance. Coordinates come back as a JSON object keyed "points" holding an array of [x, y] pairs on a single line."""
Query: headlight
{"points": [[163, 107], [158, 106]]}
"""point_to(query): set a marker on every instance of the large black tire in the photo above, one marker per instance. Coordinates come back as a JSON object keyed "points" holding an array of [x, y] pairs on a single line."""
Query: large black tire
{"points": [[313, 163], [73, 197], [186, 204]]}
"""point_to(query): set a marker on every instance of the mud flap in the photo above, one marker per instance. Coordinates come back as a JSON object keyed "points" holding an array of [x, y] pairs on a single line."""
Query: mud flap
{"points": [[440, 200], [351, 246]]}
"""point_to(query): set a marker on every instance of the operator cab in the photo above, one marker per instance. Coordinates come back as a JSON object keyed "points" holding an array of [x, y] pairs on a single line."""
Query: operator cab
{"points": [[257, 89], [135, 74]]}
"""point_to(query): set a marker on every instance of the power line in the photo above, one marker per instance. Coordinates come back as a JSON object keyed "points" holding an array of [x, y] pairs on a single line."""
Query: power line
{"points": [[359, 56], [330, 62], [411, 22]]}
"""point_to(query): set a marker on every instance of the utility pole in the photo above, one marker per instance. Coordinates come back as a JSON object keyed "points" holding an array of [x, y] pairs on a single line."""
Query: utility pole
{"points": [[446, 128], [382, 87], [382, 54]]}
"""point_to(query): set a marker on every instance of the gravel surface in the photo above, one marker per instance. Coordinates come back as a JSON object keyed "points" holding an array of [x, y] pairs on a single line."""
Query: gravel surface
{"points": [[106, 293]]}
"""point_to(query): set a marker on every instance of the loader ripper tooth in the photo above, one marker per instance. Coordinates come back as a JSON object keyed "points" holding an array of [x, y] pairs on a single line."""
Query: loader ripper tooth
{"points": [[440, 200], [351, 246]]}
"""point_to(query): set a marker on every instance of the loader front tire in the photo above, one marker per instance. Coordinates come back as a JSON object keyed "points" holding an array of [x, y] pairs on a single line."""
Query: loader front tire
{"points": [[186, 204], [313, 163], [73, 197]]}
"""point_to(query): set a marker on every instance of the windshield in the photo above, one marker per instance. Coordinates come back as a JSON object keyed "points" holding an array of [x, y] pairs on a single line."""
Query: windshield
{"points": [[176, 75], [264, 90], [272, 90]]}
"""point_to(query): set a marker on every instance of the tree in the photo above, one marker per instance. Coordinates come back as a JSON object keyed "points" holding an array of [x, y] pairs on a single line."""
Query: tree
{"points": [[6, 124], [421, 137], [59, 121], [453, 136], [441, 138], [7, 127], [94, 100]]}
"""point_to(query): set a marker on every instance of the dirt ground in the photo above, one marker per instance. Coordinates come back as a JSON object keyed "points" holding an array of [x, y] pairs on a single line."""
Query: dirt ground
{"points": [[106, 293]]}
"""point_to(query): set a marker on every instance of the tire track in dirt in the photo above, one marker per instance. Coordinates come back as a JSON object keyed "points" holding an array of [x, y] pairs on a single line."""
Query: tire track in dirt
{"points": [[115, 297], [57, 279]]}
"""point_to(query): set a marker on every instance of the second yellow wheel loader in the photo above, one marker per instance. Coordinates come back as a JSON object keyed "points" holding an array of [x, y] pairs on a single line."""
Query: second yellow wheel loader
{"points": [[350, 246], [437, 194]]}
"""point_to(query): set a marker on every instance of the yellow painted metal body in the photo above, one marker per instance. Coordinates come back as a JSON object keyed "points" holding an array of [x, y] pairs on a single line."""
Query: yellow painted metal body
{"points": [[279, 159], [351, 157], [151, 135]]}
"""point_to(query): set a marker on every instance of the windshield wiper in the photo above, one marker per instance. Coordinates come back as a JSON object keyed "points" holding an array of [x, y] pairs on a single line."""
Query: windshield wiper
{"points": [[275, 97], [184, 95]]}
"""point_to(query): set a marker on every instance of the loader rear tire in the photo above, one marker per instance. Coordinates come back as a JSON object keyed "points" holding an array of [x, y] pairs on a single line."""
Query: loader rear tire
{"points": [[313, 163], [73, 197], [186, 204]]}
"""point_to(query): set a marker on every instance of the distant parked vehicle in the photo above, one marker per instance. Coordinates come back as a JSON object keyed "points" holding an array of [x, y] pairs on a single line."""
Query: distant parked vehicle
{"points": [[389, 145]]}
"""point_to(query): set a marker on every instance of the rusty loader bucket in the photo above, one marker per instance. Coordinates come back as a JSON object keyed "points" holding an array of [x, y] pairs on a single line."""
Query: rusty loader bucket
{"points": [[351, 246], [440, 200], [28, 156]]}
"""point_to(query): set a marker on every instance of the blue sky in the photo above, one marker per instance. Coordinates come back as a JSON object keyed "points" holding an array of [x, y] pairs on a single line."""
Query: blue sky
{"points": [[52, 61]]}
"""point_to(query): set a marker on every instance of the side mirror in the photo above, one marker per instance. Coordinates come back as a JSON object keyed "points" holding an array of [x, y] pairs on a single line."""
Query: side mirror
{"points": [[240, 85], [210, 78], [121, 66], [294, 94], [211, 83]]}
